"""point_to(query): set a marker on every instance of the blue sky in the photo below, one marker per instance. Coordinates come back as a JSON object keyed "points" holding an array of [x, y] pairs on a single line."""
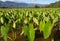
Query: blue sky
{"points": [[34, 1]]}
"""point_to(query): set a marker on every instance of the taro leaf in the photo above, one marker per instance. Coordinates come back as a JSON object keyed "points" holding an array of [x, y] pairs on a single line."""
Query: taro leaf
{"points": [[25, 21], [18, 22], [52, 16], [47, 29], [44, 14], [14, 25], [35, 15], [29, 32], [25, 30], [46, 18], [41, 26], [30, 15], [35, 21], [31, 35], [2, 20], [55, 20], [4, 31]]}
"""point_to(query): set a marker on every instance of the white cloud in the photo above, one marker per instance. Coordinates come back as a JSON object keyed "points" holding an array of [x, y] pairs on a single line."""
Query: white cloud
{"points": [[33, 1], [3, 0], [7, 0], [24, 1], [19, 0]]}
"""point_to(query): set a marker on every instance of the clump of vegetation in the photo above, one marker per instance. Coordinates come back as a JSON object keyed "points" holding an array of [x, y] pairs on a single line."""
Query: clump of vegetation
{"points": [[30, 20]]}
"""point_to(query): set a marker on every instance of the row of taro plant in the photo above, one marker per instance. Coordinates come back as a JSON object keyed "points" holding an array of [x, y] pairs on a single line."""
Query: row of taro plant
{"points": [[30, 20]]}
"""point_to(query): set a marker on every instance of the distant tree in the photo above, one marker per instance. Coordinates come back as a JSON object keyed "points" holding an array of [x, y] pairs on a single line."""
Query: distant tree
{"points": [[4, 7], [37, 6]]}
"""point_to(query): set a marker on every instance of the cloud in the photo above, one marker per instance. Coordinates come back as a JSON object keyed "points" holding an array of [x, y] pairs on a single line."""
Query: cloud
{"points": [[19, 0], [33, 1], [3, 0], [7, 0]]}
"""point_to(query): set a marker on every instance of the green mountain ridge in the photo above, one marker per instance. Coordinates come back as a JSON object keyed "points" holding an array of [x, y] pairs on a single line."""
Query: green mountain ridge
{"points": [[54, 5]]}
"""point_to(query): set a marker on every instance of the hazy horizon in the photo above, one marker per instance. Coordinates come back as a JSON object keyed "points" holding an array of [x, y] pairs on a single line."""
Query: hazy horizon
{"points": [[33, 1]]}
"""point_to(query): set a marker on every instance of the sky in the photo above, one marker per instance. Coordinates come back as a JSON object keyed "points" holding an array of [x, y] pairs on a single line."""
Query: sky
{"points": [[33, 1]]}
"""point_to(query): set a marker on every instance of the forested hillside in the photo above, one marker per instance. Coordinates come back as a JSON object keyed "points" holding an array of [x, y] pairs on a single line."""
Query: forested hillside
{"points": [[55, 5]]}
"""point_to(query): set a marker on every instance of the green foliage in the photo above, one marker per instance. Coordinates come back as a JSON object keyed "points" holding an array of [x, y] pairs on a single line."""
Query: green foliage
{"points": [[29, 32], [42, 25], [43, 19], [2, 21], [4, 31], [47, 29]]}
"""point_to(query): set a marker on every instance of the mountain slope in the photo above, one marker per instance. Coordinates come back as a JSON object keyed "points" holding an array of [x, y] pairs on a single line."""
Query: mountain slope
{"points": [[54, 5], [14, 4]]}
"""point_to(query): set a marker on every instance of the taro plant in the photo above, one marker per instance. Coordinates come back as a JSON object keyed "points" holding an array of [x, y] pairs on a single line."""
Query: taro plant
{"points": [[30, 20], [29, 32]]}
